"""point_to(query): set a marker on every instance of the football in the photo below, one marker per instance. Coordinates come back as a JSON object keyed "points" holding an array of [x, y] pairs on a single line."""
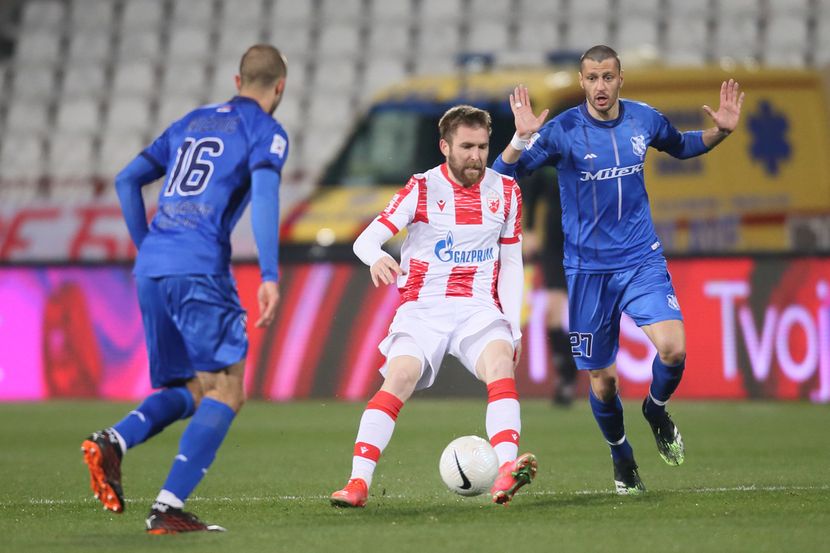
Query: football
{"points": [[469, 465]]}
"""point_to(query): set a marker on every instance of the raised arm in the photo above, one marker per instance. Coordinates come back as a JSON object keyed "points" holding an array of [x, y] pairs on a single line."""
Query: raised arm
{"points": [[728, 115], [526, 124], [533, 145]]}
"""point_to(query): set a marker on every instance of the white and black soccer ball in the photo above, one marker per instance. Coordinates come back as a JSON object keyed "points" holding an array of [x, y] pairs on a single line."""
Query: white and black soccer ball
{"points": [[469, 465]]}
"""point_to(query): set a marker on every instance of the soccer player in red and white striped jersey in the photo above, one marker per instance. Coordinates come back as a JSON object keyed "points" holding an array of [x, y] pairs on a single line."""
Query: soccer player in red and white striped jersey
{"points": [[461, 283]]}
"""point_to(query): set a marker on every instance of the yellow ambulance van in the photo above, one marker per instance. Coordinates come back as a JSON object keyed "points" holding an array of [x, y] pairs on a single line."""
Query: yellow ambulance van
{"points": [[765, 189]]}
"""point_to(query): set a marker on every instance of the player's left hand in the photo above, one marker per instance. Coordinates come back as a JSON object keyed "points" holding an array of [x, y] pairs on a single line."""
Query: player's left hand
{"points": [[729, 111], [268, 297]]}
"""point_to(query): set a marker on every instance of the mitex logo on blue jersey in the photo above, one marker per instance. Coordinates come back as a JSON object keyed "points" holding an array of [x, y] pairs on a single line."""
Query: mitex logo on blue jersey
{"points": [[445, 251], [611, 172]]}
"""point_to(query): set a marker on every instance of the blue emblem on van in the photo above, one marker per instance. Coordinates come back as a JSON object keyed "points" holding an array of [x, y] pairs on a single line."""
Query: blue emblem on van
{"points": [[769, 137]]}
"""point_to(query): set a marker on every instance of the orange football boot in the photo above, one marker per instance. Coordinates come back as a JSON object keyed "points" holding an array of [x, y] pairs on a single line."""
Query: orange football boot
{"points": [[102, 456], [353, 495]]}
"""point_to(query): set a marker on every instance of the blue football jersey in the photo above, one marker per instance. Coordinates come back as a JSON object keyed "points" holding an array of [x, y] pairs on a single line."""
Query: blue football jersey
{"points": [[606, 217], [208, 157]]}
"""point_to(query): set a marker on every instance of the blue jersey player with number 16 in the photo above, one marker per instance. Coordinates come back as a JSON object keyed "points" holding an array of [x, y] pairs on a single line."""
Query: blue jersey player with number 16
{"points": [[614, 262], [216, 160]]}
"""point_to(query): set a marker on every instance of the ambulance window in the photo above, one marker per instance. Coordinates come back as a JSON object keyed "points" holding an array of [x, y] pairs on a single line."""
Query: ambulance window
{"points": [[392, 143], [383, 149]]}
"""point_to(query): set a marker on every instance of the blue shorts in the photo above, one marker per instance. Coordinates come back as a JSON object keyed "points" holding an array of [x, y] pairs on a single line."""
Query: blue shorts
{"points": [[191, 323], [597, 301]]}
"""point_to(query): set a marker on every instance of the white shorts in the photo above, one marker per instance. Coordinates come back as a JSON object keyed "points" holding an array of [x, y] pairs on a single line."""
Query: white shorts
{"points": [[456, 326]]}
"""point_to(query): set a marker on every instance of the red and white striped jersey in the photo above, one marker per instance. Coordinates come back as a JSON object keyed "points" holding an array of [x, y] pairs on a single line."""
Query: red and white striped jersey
{"points": [[454, 233]]}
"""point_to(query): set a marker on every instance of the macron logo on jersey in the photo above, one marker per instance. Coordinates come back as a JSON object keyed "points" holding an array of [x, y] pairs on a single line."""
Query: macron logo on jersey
{"points": [[444, 251], [612, 172]]}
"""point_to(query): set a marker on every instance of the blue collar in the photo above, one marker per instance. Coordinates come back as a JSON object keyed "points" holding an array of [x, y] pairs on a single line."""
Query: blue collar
{"points": [[583, 109]]}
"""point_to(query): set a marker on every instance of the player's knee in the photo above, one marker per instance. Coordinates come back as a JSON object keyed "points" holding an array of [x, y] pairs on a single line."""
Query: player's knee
{"points": [[605, 388], [401, 382], [501, 367], [672, 354], [196, 391]]}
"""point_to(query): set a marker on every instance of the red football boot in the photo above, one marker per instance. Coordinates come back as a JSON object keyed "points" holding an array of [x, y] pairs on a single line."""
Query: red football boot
{"points": [[512, 476]]}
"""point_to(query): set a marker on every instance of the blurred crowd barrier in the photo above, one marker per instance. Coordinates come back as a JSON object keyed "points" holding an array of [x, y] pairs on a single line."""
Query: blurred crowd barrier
{"points": [[757, 328]]}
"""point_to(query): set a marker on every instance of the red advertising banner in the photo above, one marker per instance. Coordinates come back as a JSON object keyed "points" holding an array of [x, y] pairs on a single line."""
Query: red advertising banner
{"points": [[756, 328], [48, 230]]}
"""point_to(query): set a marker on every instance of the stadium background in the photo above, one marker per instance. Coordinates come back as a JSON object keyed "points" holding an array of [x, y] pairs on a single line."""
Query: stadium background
{"points": [[86, 83]]}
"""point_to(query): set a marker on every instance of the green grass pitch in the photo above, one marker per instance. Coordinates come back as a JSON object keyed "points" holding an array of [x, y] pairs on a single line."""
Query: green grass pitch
{"points": [[756, 478]]}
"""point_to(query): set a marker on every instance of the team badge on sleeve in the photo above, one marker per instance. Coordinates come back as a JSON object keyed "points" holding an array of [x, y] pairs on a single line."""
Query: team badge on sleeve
{"points": [[532, 141], [278, 145]]}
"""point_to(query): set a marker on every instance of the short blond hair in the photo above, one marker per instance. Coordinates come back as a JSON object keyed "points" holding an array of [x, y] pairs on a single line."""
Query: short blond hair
{"points": [[468, 116], [262, 66]]}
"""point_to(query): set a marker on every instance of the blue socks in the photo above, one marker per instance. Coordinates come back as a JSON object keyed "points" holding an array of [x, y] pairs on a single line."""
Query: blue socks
{"points": [[155, 413], [197, 449], [609, 417], [665, 380]]}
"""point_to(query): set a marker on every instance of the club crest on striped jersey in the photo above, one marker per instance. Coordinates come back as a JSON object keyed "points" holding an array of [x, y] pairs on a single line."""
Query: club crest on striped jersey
{"points": [[493, 201]]}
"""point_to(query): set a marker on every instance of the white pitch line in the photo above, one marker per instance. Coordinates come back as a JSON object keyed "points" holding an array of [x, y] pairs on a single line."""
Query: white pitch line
{"points": [[263, 499]]}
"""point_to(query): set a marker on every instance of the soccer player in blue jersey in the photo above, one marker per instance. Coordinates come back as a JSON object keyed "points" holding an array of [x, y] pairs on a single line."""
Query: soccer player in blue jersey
{"points": [[216, 160], [613, 258]]}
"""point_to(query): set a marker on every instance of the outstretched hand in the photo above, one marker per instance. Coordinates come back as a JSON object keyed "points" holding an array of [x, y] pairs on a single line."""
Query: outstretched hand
{"points": [[729, 111], [526, 122]]}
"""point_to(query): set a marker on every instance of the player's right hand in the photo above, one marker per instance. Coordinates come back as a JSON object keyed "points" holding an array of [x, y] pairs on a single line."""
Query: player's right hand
{"points": [[268, 297], [526, 122], [385, 271]]}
